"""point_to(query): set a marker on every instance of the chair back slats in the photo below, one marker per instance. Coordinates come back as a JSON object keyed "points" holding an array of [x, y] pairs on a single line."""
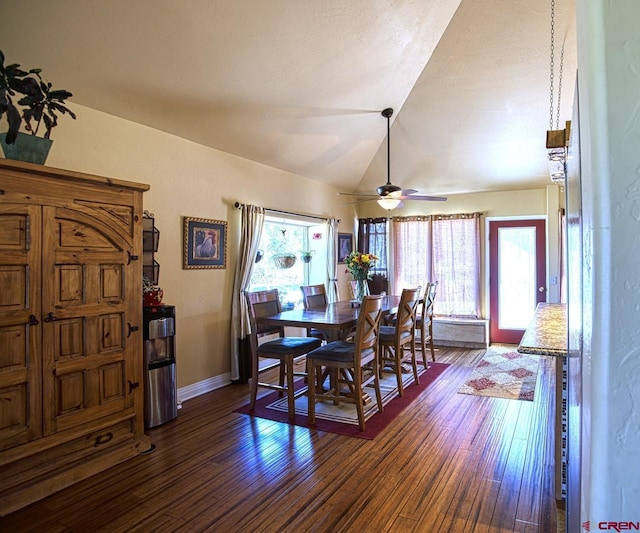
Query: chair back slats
{"points": [[429, 299], [424, 322], [406, 318], [263, 303], [314, 296], [366, 337], [316, 300]]}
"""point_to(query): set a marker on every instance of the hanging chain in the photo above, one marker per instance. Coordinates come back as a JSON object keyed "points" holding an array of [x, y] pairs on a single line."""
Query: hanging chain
{"points": [[559, 86], [551, 76], [553, 3]]}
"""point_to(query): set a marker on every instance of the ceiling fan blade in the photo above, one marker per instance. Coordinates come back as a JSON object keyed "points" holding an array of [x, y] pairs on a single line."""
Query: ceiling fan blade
{"points": [[358, 194], [421, 197], [403, 192], [360, 201]]}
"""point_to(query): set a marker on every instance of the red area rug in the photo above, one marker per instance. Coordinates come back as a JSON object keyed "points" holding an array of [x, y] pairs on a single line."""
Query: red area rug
{"points": [[343, 418], [504, 373]]}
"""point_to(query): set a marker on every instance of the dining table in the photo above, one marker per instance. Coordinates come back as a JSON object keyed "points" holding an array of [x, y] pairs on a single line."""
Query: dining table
{"points": [[337, 319]]}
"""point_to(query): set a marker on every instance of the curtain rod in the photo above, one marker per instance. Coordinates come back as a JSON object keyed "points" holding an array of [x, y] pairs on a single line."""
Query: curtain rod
{"points": [[239, 205]]}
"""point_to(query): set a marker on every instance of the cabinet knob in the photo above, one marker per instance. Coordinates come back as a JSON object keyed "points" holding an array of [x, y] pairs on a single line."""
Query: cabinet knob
{"points": [[33, 321]]}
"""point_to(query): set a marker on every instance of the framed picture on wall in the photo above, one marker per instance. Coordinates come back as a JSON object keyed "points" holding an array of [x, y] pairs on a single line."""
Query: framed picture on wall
{"points": [[345, 246], [204, 243]]}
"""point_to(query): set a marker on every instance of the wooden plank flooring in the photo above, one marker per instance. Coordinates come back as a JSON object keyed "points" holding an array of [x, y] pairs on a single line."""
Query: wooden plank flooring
{"points": [[450, 462]]}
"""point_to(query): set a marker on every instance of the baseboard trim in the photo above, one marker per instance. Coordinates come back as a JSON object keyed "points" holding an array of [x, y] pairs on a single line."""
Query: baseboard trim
{"points": [[202, 387]]}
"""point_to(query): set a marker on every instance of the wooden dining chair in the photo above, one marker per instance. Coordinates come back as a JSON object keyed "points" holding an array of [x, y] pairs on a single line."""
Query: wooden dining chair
{"points": [[394, 338], [315, 296], [424, 323], [354, 364], [284, 349]]}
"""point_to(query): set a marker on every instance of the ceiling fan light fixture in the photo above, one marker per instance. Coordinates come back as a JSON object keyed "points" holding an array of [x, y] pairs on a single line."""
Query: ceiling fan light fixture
{"points": [[389, 203]]}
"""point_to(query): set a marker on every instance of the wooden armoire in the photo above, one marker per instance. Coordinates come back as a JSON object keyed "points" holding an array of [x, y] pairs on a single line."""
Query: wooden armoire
{"points": [[71, 369]]}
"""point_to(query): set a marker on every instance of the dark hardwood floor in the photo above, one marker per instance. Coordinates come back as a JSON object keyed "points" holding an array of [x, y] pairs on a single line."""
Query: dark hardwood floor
{"points": [[449, 463]]}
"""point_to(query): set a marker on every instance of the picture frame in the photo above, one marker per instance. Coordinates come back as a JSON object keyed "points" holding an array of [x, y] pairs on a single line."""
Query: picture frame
{"points": [[345, 246], [204, 243]]}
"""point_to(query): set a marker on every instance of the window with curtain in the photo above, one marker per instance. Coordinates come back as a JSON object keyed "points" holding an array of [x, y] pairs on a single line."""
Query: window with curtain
{"points": [[372, 239], [438, 248], [412, 252], [456, 264], [280, 263]]}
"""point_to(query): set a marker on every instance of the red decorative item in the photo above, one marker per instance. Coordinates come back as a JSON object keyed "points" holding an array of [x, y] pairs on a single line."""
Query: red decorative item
{"points": [[152, 298]]}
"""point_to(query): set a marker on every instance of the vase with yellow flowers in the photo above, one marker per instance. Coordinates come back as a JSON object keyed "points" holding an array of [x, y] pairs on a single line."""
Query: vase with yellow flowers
{"points": [[359, 265]]}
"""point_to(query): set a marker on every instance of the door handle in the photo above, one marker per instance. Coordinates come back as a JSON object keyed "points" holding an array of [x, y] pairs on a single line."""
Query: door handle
{"points": [[50, 318], [131, 329], [33, 321], [541, 289]]}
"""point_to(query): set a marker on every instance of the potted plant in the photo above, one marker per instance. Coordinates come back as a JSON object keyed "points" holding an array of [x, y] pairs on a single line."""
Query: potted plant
{"points": [[307, 255], [24, 95]]}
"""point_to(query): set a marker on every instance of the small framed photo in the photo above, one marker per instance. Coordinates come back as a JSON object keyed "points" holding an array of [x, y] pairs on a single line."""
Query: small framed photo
{"points": [[345, 246], [205, 243]]}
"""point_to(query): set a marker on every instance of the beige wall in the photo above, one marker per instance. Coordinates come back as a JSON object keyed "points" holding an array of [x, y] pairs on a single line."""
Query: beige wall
{"points": [[544, 201], [188, 179]]}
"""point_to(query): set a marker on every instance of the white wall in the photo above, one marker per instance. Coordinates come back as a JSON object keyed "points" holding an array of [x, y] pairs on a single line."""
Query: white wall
{"points": [[609, 88]]}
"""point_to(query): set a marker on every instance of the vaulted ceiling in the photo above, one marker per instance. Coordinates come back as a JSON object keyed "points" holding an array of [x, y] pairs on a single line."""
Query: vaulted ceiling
{"points": [[299, 84]]}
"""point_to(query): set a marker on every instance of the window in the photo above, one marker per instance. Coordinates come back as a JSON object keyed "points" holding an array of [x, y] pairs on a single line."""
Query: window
{"points": [[412, 252], [445, 249], [456, 264], [372, 239], [281, 265]]}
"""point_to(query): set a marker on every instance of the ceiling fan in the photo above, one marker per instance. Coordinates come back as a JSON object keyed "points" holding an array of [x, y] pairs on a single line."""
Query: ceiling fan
{"points": [[388, 195]]}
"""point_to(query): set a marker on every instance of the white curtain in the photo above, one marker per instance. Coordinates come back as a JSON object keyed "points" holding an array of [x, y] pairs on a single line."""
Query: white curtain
{"points": [[251, 227], [414, 269], [443, 249], [456, 264], [332, 259]]}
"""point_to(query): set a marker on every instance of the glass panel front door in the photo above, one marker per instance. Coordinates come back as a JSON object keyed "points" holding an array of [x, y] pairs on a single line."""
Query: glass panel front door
{"points": [[517, 264]]}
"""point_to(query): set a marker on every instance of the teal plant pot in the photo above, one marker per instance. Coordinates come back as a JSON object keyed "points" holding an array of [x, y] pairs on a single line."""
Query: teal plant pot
{"points": [[27, 148]]}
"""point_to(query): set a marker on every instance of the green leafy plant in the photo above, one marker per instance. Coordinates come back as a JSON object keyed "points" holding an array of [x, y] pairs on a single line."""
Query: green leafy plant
{"points": [[39, 102]]}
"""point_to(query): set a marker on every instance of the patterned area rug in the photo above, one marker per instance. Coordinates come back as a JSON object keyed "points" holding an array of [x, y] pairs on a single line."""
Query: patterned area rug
{"points": [[504, 373], [343, 418]]}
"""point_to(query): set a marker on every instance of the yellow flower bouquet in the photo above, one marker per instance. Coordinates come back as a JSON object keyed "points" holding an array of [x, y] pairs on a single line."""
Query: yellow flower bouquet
{"points": [[359, 265]]}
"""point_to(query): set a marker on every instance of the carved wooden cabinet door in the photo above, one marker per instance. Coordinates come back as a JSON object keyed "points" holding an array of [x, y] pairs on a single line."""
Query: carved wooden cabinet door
{"points": [[88, 273], [20, 357]]}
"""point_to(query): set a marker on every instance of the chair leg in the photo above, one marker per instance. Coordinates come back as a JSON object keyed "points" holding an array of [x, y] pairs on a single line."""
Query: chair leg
{"points": [[290, 392], [433, 353], [254, 382], [283, 371], [357, 384], [397, 352], [311, 391], [414, 363], [376, 386], [423, 346]]}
